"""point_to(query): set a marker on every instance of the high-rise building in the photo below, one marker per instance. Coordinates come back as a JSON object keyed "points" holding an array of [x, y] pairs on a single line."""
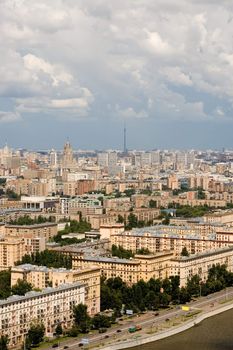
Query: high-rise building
{"points": [[67, 158], [53, 158]]}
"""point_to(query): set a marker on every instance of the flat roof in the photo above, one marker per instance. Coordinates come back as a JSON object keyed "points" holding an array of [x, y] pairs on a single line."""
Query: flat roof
{"points": [[205, 254], [33, 294], [32, 226]]}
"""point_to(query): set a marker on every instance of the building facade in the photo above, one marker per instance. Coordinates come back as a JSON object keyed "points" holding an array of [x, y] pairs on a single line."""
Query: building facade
{"points": [[50, 307]]}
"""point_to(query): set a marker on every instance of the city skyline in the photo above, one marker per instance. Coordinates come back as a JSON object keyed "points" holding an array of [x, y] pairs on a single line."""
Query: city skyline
{"points": [[82, 70]]}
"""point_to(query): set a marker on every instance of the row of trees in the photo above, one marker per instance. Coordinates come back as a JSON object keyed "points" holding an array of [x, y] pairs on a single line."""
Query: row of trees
{"points": [[83, 323], [27, 220], [74, 227], [47, 258], [157, 293], [188, 212], [132, 222], [121, 253]]}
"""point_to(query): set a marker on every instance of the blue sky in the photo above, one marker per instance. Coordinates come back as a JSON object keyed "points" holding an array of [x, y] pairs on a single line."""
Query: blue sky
{"points": [[80, 69]]}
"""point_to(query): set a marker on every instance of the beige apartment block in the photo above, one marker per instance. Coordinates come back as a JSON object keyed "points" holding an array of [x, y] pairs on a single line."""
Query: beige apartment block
{"points": [[49, 307], [11, 251], [196, 202], [220, 217], [158, 241], [42, 277], [142, 267], [199, 264], [109, 229], [46, 230]]}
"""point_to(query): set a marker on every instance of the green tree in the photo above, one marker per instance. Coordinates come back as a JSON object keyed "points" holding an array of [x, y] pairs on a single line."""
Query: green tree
{"points": [[81, 318], [152, 204], [36, 334], [58, 329], [21, 287], [120, 219], [5, 284], [3, 342], [101, 321], [184, 252], [193, 285]]}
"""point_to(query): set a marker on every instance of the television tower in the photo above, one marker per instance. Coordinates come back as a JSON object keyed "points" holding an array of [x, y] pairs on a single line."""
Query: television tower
{"points": [[125, 145]]}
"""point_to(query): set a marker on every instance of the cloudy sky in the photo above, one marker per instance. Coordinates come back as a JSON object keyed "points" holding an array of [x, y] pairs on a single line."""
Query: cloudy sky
{"points": [[81, 68]]}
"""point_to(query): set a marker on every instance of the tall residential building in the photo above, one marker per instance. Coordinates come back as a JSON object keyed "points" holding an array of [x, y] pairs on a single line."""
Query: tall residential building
{"points": [[11, 250], [67, 158], [50, 307], [41, 277], [53, 158]]}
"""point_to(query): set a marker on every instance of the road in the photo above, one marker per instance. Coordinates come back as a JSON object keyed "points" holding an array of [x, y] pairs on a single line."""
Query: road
{"points": [[149, 319]]}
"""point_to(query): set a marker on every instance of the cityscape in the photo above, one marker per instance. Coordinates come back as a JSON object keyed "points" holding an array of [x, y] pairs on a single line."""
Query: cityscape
{"points": [[116, 175], [85, 233]]}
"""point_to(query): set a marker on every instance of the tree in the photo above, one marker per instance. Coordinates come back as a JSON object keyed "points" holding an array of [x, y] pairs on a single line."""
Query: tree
{"points": [[101, 321], [184, 252], [193, 285], [36, 334], [5, 284], [58, 329], [21, 287], [152, 204], [3, 342], [132, 221], [120, 219], [81, 318]]}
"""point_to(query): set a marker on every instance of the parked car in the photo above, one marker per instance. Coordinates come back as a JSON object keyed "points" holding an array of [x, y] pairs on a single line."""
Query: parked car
{"points": [[119, 330], [55, 345]]}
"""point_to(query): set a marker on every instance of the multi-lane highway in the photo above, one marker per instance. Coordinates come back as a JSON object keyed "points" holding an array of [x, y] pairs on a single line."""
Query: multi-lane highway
{"points": [[149, 319]]}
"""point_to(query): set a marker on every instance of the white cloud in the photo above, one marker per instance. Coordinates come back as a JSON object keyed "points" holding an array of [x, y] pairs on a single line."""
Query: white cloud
{"points": [[131, 113], [56, 73], [9, 117], [176, 76], [79, 57]]}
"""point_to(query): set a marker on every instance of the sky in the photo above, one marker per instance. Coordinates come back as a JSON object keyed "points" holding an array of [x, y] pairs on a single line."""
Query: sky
{"points": [[81, 69]]}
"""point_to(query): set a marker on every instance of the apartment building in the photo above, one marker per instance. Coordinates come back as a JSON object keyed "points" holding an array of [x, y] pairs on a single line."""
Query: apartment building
{"points": [[142, 267], [49, 307], [41, 277], [220, 217], [77, 188], [11, 250], [45, 230], [158, 241], [199, 264], [91, 206]]}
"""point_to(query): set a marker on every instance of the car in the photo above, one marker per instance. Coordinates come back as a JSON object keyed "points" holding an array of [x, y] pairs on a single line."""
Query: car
{"points": [[80, 344], [156, 314], [120, 319], [119, 330], [167, 319], [66, 347], [106, 336], [55, 345]]}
